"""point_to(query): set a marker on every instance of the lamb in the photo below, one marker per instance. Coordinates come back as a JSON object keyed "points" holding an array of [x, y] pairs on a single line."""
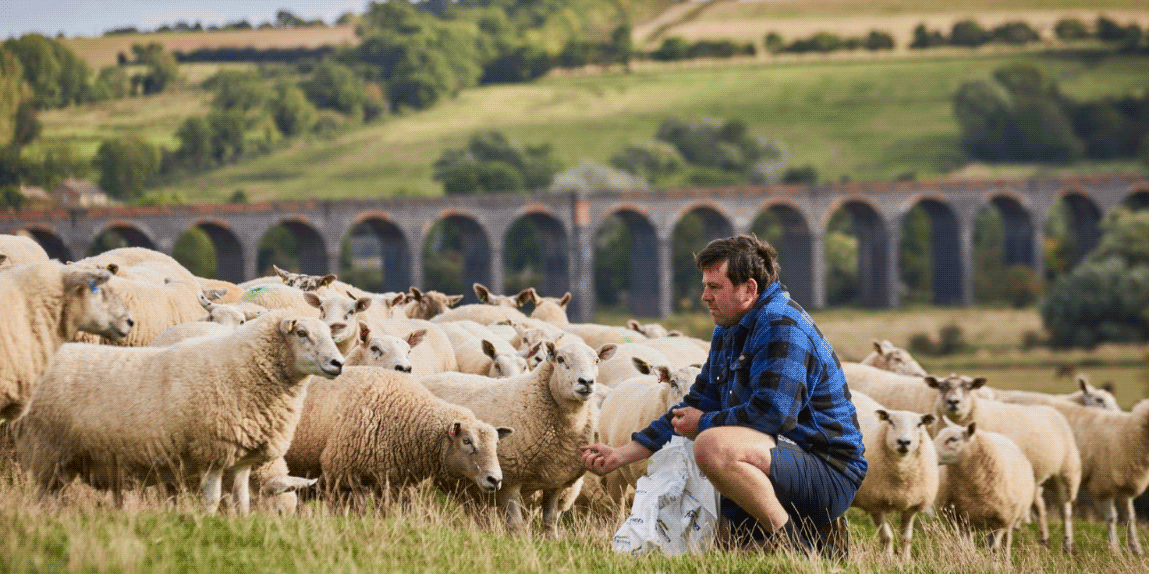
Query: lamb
{"points": [[385, 351], [424, 305], [552, 413], [903, 475], [1042, 434], [987, 482], [19, 250], [900, 392], [46, 304], [1115, 462], [887, 357], [631, 405], [622, 366], [376, 428], [478, 351], [175, 415], [279, 296]]}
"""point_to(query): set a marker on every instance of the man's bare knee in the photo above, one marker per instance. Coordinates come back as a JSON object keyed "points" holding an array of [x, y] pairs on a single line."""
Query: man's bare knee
{"points": [[717, 447]]}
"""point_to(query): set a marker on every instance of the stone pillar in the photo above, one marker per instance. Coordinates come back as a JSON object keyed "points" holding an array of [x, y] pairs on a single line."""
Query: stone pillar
{"points": [[664, 269], [891, 262], [415, 253], [817, 270], [965, 256], [581, 260], [1038, 246], [250, 245], [496, 284]]}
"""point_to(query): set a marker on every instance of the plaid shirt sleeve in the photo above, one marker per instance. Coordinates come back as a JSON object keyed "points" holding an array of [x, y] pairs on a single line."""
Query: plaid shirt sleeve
{"points": [[702, 396]]}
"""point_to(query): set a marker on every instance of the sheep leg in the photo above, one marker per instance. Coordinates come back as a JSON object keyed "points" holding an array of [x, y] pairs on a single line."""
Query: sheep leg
{"points": [[1042, 519], [908, 517], [1061, 491], [1111, 524], [509, 500], [241, 490], [551, 512], [885, 534], [1131, 537], [210, 486]]}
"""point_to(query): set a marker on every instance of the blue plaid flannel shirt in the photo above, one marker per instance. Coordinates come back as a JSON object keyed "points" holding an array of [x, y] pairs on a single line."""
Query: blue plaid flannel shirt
{"points": [[776, 373]]}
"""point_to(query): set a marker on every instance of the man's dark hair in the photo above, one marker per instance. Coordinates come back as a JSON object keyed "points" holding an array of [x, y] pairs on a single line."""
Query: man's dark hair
{"points": [[748, 258]]}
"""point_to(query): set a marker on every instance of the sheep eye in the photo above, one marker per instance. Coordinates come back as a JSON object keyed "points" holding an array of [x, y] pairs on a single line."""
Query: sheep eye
{"points": [[302, 333], [467, 441], [561, 360]]}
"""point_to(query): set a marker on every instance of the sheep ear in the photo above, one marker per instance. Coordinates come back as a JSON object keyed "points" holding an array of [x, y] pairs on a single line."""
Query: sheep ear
{"points": [[416, 337], [504, 432], [416, 294], [525, 296], [551, 353], [971, 428], [287, 325], [641, 365], [364, 332], [3, 258], [606, 351], [481, 292], [565, 299], [456, 428], [79, 279], [312, 299], [927, 419], [882, 415], [932, 382], [675, 333], [877, 346], [215, 294], [534, 349], [1108, 386], [1084, 385], [362, 303], [489, 349], [281, 273], [327, 280], [454, 300], [633, 325], [663, 374], [977, 383], [397, 300]]}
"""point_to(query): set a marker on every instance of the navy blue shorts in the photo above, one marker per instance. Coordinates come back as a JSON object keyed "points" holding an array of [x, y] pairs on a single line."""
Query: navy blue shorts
{"points": [[809, 489]]}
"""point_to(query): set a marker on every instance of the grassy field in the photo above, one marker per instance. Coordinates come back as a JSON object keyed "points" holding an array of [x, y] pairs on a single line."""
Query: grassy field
{"points": [[864, 120], [425, 533]]}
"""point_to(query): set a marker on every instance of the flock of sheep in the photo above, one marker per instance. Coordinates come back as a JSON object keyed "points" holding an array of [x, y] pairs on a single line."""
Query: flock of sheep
{"points": [[125, 370]]}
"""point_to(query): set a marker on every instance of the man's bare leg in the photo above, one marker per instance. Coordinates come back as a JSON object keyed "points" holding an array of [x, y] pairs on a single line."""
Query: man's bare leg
{"points": [[736, 460]]}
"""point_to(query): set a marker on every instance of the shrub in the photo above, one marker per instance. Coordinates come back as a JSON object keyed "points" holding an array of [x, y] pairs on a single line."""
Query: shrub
{"points": [[878, 40], [774, 43], [803, 174], [968, 33], [1022, 286], [127, 165], [926, 38], [1017, 33], [1070, 29], [672, 49], [920, 344], [951, 340]]}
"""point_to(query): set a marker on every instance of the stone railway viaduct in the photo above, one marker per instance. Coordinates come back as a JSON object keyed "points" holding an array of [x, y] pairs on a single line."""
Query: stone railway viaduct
{"points": [[567, 223]]}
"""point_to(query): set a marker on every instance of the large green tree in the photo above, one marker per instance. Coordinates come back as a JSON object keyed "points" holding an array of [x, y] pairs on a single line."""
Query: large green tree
{"points": [[127, 166]]}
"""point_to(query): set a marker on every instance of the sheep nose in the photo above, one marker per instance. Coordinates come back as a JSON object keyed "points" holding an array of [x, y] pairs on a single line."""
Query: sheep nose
{"points": [[403, 368], [131, 322], [586, 382], [494, 482]]}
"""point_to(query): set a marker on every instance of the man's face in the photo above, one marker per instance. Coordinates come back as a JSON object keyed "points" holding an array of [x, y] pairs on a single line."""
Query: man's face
{"points": [[727, 302]]}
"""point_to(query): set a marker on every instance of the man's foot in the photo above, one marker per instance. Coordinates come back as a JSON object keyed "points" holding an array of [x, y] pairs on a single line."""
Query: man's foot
{"points": [[836, 539]]}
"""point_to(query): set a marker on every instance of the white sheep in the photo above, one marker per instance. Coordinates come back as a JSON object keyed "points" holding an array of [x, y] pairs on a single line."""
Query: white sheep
{"points": [[513, 302], [385, 351], [622, 366], [155, 307], [630, 407], [894, 391], [1042, 434], [887, 357], [479, 351], [278, 296], [480, 313], [1086, 395], [597, 335], [434, 355], [372, 428], [427, 304], [221, 320], [551, 309], [45, 305], [680, 351], [303, 281], [552, 413], [1114, 459], [220, 291], [903, 471], [341, 313], [19, 250], [987, 482], [140, 263], [175, 415]]}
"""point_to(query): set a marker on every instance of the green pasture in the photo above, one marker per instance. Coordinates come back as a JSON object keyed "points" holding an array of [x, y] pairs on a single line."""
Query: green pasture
{"points": [[861, 120], [424, 532]]}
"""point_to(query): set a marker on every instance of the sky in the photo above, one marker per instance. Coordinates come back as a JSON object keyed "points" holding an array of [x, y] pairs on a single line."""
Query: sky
{"points": [[94, 17]]}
